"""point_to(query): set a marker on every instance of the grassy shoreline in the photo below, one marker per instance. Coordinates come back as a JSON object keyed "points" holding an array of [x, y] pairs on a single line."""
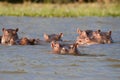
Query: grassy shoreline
{"points": [[59, 10]]}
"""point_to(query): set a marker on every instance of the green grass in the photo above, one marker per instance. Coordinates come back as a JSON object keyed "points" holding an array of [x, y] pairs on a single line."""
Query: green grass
{"points": [[59, 10]]}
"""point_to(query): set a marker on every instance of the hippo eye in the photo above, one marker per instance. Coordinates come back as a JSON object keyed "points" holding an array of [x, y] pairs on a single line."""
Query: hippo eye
{"points": [[7, 31], [56, 46]]}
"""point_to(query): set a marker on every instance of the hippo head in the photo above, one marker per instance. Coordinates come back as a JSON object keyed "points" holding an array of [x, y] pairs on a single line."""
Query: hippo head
{"points": [[32, 41], [9, 35], [106, 37], [66, 49], [80, 41], [84, 33], [26, 41], [12, 42], [94, 37], [87, 37], [103, 37], [70, 49], [53, 37], [73, 49], [56, 47], [83, 38]]}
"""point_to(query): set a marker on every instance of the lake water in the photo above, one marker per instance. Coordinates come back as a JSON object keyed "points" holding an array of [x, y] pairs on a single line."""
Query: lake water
{"points": [[37, 63]]}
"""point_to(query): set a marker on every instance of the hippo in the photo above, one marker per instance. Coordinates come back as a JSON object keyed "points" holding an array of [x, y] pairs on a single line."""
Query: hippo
{"points": [[83, 33], [70, 49], [26, 41], [66, 49], [22, 41], [93, 37], [53, 37], [103, 37], [85, 37], [12, 42], [9, 35]]}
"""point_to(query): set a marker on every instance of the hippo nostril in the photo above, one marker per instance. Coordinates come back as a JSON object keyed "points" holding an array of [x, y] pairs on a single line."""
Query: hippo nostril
{"points": [[6, 42], [109, 42], [80, 41], [64, 49]]}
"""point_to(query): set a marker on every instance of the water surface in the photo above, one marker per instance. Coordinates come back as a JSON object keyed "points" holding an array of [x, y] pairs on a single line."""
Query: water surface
{"points": [[38, 63]]}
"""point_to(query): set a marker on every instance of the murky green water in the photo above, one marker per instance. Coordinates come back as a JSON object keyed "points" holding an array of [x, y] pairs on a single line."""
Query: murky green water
{"points": [[37, 63]]}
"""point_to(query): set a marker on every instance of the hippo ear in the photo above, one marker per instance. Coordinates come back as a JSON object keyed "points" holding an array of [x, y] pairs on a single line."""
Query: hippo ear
{"points": [[98, 31], [17, 29], [79, 31], [61, 34], [3, 29], [33, 40], [76, 45], [52, 44], [46, 36], [109, 33], [84, 33]]}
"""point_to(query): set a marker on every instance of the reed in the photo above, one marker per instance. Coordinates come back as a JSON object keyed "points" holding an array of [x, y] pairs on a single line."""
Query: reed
{"points": [[59, 10]]}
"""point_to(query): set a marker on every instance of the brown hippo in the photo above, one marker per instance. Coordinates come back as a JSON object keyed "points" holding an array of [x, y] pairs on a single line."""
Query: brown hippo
{"points": [[70, 49], [53, 37], [87, 33], [9, 34], [23, 41], [103, 37], [84, 33], [26, 41], [12, 42], [56, 47], [93, 37], [86, 37]]}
